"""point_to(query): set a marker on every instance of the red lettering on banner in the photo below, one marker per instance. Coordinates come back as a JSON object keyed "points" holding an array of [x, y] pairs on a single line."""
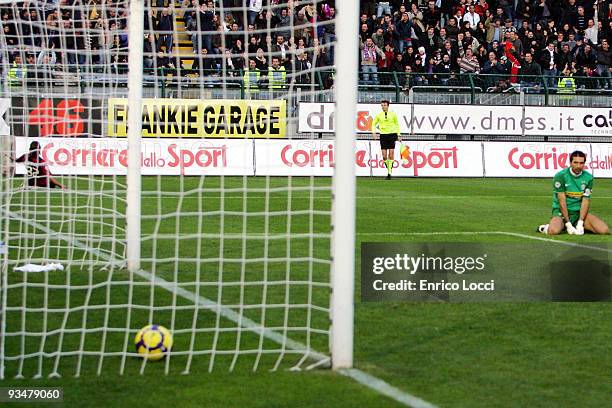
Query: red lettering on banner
{"points": [[83, 157], [62, 157], [183, 158], [604, 163], [106, 156], [364, 121], [436, 158], [322, 158], [539, 161], [360, 158], [312, 157], [58, 120], [213, 156], [123, 158], [45, 153]]}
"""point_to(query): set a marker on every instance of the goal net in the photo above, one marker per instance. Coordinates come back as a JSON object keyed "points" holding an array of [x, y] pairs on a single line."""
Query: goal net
{"points": [[153, 173]]}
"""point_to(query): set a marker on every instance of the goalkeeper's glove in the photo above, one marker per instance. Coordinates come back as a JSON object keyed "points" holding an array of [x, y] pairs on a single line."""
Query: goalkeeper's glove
{"points": [[570, 228], [580, 228]]}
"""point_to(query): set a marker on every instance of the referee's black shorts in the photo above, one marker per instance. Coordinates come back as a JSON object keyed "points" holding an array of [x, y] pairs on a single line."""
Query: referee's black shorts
{"points": [[387, 140]]}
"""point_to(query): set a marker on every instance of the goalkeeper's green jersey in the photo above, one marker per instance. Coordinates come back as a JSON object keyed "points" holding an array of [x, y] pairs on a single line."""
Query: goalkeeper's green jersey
{"points": [[387, 122], [575, 188]]}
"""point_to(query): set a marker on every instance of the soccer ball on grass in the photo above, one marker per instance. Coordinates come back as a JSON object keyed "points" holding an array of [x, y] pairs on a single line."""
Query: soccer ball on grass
{"points": [[153, 342]]}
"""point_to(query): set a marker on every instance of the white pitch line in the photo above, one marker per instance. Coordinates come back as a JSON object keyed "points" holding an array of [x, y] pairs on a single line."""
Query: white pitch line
{"points": [[571, 244], [384, 388], [512, 234], [367, 197], [429, 233], [361, 377]]}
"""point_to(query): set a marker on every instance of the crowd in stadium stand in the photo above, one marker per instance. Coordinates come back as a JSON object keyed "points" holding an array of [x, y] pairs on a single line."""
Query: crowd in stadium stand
{"points": [[423, 42], [565, 41]]}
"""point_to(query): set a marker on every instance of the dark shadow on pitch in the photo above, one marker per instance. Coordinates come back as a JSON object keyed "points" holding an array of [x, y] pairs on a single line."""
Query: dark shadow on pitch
{"points": [[580, 279]]}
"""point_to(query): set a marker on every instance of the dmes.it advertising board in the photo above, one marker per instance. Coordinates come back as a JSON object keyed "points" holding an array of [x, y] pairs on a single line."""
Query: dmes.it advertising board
{"points": [[422, 119]]}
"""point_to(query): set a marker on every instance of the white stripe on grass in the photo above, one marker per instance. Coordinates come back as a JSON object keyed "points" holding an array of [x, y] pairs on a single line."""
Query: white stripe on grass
{"points": [[512, 234], [320, 196], [361, 377], [384, 388]]}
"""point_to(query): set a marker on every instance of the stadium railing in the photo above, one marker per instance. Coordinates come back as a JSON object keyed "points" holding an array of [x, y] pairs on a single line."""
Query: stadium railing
{"points": [[395, 86]]}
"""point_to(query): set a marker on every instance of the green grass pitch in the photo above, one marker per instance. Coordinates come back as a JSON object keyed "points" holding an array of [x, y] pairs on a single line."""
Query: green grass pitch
{"points": [[459, 355]]}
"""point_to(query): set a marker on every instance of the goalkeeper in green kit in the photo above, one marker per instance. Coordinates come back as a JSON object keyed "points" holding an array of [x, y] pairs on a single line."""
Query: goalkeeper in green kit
{"points": [[389, 134], [572, 189]]}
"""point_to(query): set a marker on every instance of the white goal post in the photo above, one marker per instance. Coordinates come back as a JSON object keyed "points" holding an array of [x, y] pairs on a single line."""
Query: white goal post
{"points": [[134, 185], [344, 189]]}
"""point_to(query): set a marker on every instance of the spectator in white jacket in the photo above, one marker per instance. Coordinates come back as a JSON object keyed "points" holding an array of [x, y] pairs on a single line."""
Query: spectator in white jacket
{"points": [[472, 17], [590, 34], [255, 7]]}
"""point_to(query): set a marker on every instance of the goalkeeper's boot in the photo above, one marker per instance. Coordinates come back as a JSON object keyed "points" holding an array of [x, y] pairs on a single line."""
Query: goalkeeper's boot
{"points": [[543, 229]]}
